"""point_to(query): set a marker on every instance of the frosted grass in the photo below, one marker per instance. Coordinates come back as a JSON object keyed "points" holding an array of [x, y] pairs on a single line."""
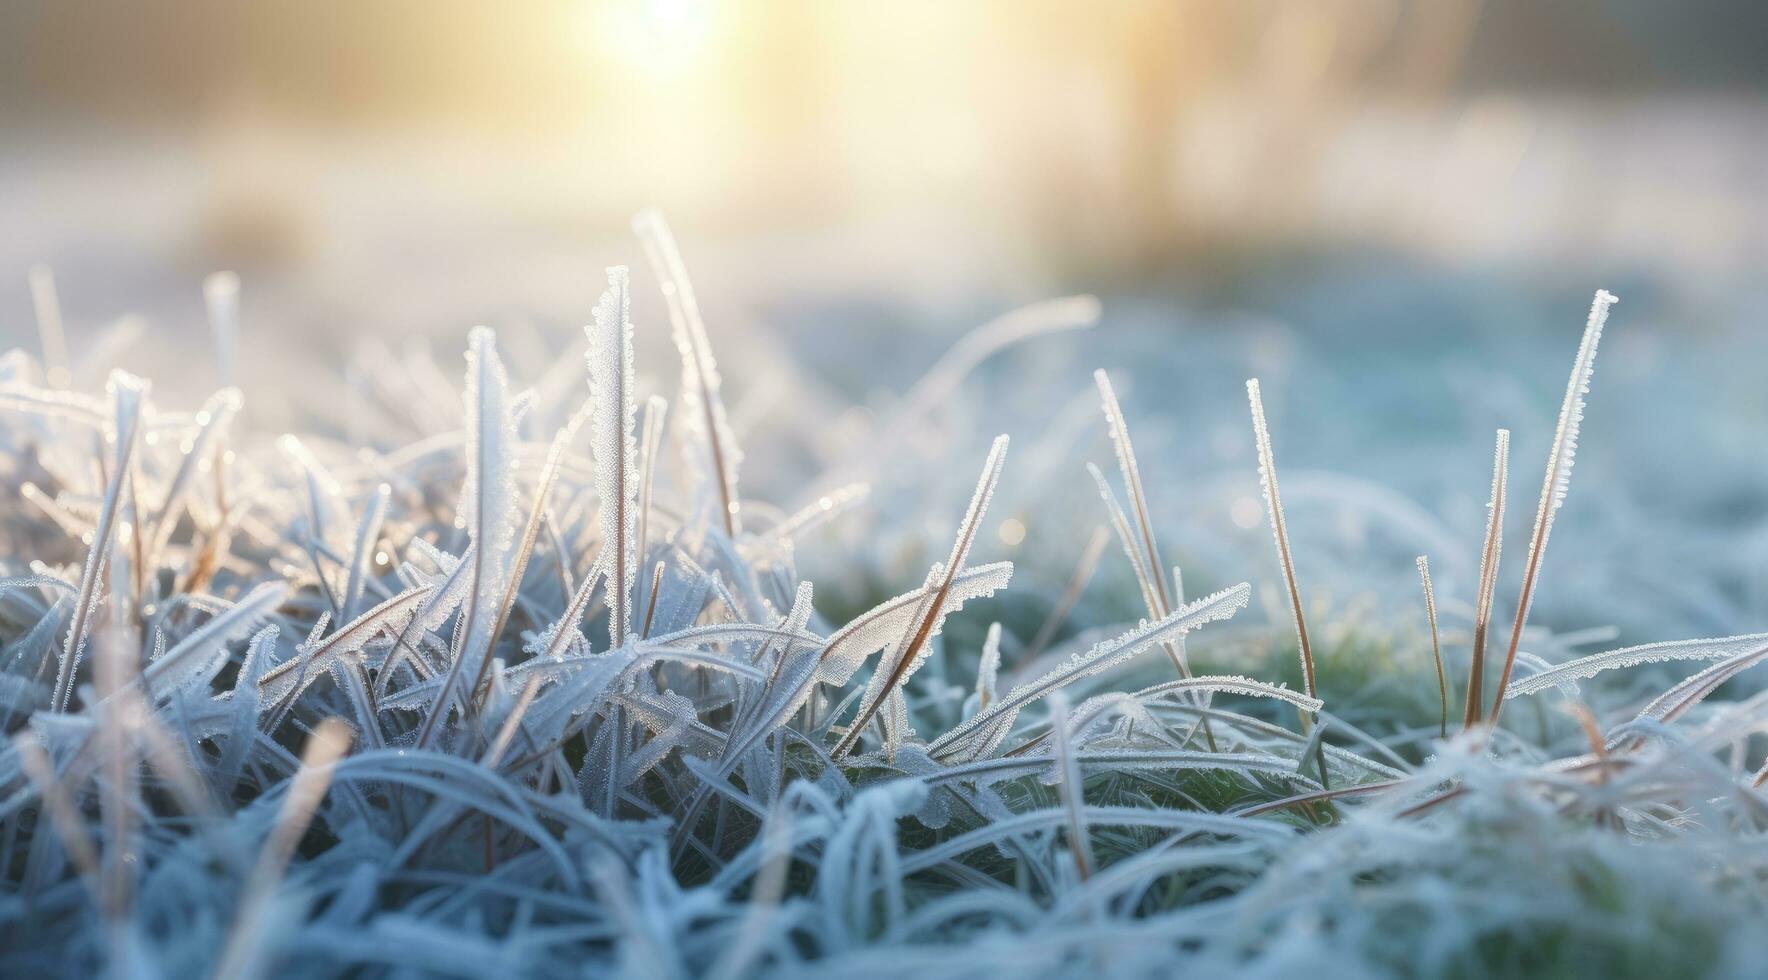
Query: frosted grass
{"points": [[531, 696]]}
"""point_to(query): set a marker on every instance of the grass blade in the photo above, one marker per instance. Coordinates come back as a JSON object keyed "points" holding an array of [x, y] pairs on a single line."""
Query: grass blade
{"points": [[1267, 471], [127, 397], [1489, 557], [894, 670], [1436, 646], [613, 443], [1557, 479], [702, 399]]}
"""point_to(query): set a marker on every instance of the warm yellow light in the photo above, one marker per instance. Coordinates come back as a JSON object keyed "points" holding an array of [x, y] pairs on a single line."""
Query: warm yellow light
{"points": [[655, 38]]}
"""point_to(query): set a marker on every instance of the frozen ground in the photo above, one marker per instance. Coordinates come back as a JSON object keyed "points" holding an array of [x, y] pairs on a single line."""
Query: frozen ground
{"points": [[699, 815]]}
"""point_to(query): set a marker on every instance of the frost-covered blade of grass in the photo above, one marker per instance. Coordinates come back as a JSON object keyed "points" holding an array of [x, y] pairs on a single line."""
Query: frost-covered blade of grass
{"points": [[1490, 555], [127, 397], [702, 397], [202, 653], [615, 447], [315, 659], [487, 508], [1722, 648], [1436, 646], [982, 733], [1557, 479], [931, 610], [1267, 478]]}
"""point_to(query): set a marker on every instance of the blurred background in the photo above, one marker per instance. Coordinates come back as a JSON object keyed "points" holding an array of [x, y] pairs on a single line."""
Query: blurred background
{"points": [[1394, 212]]}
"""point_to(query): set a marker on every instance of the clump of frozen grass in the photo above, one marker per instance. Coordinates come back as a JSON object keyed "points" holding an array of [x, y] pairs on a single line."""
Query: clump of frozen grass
{"points": [[522, 697]]}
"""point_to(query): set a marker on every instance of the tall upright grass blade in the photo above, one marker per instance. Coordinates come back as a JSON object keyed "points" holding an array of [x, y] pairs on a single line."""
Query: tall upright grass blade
{"points": [[1132, 480], [128, 394], [1141, 546], [1556, 480], [614, 446], [543, 488], [702, 399], [488, 509], [1436, 646], [894, 670], [1490, 553], [1267, 471]]}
